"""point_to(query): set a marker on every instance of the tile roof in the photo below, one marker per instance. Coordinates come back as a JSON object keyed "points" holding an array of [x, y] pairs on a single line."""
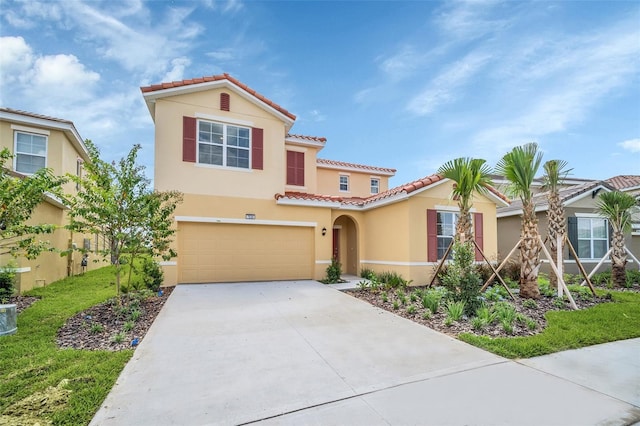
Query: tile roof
{"points": [[342, 164], [34, 115], [566, 194], [219, 77], [361, 202], [308, 138], [622, 182]]}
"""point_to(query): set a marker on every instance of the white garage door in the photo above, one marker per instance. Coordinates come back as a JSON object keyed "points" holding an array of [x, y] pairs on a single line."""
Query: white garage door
{"points": [[229, 252]]}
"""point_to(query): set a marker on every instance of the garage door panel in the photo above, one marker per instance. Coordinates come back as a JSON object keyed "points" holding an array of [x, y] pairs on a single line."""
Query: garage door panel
{"points": [[232, 252]]}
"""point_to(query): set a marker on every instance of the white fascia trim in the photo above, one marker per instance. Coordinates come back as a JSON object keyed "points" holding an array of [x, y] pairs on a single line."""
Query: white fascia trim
{"points": [[53, 200], [496, 199], [519, 212], [352, 169], [168, 263], [17, 270], [591, 215], [308, 203], [304, 142], [452, 208], [230, 220], [585, 195], [224, 119], [393, 263], [67, 128], [150, 97], [379, 203], [323, 262], [631, 188]]}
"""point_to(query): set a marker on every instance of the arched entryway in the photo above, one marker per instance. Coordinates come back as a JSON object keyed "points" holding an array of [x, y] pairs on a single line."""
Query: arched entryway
{"points": [[345, 244]]}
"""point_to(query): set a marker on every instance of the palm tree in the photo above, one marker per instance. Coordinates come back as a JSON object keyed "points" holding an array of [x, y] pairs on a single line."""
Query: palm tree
{"points": [[617, 207], [554, 174], [470, 175], [519, 167]]}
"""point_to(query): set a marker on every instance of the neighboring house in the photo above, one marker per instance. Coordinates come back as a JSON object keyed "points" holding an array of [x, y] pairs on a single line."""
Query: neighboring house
{"points": [[588, 232], [631, 185], [260, 205], [38, 141]]}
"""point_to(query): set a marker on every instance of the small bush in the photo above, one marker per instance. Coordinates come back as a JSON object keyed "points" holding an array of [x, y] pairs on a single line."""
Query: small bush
{"points": [[363, 285], [136, 314], [478, 323], [461, 280], [396, 305], [385, 297], [411, 310], [511, 270], [334, 272], [96, 328], [152, 275], [7, 281], [118, 338], [488, 316], [426, 315], [128, 326], [530, 303], [367, 273], [431, 300], [455, 310], [392, 279]]}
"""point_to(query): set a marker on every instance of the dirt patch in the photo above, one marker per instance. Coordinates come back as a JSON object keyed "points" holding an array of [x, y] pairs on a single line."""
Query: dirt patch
{"points": [[34, 409], [104, 326], [391, 300]]}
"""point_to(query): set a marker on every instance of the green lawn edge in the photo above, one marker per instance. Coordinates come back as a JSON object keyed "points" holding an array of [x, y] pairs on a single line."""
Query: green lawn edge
{"points": [[30, 360], [606, 322]]}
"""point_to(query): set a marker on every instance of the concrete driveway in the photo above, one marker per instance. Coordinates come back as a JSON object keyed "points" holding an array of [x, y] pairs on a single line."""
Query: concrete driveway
{"points": [[303, 353]]}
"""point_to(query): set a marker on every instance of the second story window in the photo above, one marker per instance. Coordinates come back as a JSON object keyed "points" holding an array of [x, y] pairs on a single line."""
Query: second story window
{"points": [[223, 144], [344, 183], [375, 186], [30, 152]]}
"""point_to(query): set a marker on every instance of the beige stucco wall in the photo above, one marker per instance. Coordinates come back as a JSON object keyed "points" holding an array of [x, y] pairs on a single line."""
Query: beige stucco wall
{"points": [[49, 266], [359, 183], [171, 173]]}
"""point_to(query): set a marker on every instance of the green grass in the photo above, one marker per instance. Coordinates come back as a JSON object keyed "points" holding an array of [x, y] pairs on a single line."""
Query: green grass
{"points": [[606, 322], [30, 360]]}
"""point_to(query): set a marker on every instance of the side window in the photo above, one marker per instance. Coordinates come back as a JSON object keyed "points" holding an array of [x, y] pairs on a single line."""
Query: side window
{"points": [[344, 183], [30, 152], [375, 186]]}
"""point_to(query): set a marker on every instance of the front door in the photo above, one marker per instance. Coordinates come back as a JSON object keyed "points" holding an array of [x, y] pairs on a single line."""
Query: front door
{"points": [[336, 243]]}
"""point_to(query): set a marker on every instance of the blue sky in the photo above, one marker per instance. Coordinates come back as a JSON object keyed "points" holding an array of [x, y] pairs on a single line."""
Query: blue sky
{"points": [[408, 85]]}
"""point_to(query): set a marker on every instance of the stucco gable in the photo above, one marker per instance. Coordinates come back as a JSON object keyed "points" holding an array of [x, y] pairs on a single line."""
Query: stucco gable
{"points": [[163, 90]]}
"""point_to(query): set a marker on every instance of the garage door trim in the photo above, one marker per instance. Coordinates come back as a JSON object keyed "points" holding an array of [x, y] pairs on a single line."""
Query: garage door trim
{"points": [[230, 220]]}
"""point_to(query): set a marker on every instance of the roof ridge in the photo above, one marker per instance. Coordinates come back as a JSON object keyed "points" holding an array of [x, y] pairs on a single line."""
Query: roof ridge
{"points": [[354, 165]]}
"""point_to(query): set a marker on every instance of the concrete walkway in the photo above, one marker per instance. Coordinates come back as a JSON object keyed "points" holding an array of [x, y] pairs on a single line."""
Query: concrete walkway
{"points": [[304, 353]]}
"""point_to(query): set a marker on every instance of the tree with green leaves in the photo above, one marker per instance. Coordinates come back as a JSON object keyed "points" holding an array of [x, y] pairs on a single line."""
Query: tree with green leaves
{"points": [[115, 200], [469, 175], [19, 196], [555, 172], [617, 207], [519, 167]]}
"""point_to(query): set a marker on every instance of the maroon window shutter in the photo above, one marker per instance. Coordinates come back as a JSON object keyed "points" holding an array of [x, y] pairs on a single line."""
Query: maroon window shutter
{"points": [[432, 236], [225, 102], [189, 125], [295, 168], [478, 233], [257, 149]]}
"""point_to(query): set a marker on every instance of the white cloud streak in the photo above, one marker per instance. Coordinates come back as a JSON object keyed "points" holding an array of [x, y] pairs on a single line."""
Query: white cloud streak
{"points": [[631, 145]]}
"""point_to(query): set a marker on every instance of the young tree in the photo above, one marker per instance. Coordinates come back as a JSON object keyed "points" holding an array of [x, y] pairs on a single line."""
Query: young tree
{"points": [[519, 167], [555, 172], [617, 207], [470, 175], [19, 196], [115, 200]]}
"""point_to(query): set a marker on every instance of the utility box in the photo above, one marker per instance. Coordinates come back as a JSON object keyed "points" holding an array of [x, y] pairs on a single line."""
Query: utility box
{"points": [[8, 319]]}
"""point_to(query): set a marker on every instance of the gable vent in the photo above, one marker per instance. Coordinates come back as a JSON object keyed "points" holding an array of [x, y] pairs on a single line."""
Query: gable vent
{"points": [[225, 101]]}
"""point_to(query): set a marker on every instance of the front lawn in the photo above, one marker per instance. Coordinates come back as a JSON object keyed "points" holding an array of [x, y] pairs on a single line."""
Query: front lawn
{"points": [[606, 322], [32, 365]]}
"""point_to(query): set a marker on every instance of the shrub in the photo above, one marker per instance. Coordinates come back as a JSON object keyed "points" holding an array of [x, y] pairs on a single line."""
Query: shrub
{"points": [[411, 310], [118, 338], [334, 272], [152, 275], [530, 303], [455, 310], [488, 316], [511, 270], [363, 285], [367, 273], [426, 315], [633, 277], [461, 280], [431, 300], [392, 279], [7, 281]]}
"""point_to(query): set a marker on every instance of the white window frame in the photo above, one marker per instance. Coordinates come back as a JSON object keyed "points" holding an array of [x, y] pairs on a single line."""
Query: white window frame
{"points": [[439, 236], [345, 183], [225, 146], [591, 238], [376, 186], [16, 152]]}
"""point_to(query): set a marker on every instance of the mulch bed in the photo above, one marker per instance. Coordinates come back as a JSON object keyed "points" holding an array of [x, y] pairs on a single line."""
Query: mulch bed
{"points": [[437, 320]]}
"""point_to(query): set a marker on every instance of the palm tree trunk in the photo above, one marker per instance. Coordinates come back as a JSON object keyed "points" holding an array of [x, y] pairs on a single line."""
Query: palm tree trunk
{"points": [[529, 254], [463, 226], [618, 259]]}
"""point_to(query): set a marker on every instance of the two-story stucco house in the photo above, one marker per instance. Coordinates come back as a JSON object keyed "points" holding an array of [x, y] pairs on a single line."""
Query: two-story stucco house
{"points": [[259, 203], [38, 141]]}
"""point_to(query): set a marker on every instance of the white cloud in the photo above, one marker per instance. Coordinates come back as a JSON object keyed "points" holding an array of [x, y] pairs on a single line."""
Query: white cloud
{"points": [[631, 145], [403, 62], [178, 66], [222, 55], [469, 19], [16, 57], [317, 116], [444, 88]]}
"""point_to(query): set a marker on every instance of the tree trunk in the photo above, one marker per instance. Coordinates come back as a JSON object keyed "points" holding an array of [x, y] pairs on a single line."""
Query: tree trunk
{"points": [[618, 259], [556, 226], [463, 226], [529, 254]]}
